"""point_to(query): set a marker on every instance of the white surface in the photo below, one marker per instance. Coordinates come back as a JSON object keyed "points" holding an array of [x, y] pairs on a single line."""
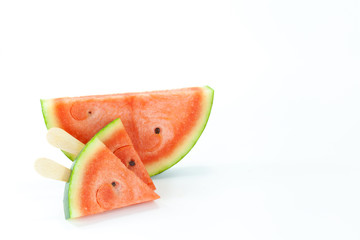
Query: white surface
{"points": [[280, 156]]}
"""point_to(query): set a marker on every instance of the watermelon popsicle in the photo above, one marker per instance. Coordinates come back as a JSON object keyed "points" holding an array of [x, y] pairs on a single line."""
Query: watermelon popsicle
{"points": [[100, 182]]}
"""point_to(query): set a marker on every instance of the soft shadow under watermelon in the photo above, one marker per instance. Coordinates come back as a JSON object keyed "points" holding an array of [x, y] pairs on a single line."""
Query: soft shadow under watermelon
{"points": [[184, 172], [114, 214]]}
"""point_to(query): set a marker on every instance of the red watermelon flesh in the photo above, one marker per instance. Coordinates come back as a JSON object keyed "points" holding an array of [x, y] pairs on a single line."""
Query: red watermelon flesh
{"points": [[117, 140], [100, 182], [162, 125]]}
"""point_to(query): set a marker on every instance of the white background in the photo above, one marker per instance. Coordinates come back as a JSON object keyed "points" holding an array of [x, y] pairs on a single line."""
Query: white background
{"points": [[279, 158]]}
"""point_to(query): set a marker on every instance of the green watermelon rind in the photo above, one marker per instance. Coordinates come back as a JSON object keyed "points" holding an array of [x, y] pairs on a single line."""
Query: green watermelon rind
{"points": [[46, 116], [73, 181], [188, 145]]}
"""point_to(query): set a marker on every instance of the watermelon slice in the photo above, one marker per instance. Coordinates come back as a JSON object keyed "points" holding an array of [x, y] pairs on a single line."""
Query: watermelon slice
{"points": [[99, 182], [117, 140], [162, 125]]}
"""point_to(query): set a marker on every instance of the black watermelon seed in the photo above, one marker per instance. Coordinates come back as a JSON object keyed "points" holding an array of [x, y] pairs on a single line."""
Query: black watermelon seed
{"points": [[132, 163], [113, 184], [157, 130]]}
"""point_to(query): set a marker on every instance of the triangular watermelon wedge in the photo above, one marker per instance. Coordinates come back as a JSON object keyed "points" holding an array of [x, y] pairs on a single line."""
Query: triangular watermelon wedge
{"points": [[117, 140], [100, 182], [162, 125]]}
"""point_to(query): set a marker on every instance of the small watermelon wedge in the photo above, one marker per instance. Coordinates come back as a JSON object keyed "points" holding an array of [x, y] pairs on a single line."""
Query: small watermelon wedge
{"points": [[162, 125], [100, 182], [117, 140]]}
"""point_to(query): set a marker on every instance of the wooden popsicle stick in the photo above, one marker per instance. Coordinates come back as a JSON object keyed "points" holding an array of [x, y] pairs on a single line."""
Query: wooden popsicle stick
{"points": [[51, 169], [63, 140]]}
